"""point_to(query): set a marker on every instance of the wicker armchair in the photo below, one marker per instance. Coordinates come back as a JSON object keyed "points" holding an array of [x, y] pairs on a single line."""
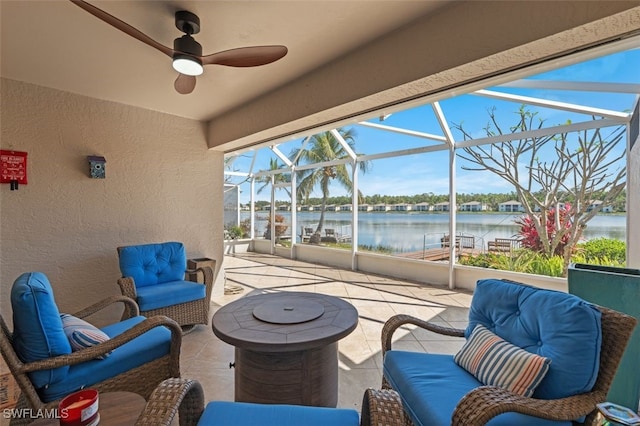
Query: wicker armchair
{"points": [[135, 264], [185, 398], [174, 396], [142, 379], [484, 403]]}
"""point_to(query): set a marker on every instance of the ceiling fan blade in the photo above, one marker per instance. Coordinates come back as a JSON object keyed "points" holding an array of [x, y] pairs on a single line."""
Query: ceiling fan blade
{"points": [[122, 26], [185, 84], [246, 56]]}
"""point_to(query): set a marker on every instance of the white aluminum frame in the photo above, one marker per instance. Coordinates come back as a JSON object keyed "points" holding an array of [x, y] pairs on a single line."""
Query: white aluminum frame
{"points": [[447, 142]]}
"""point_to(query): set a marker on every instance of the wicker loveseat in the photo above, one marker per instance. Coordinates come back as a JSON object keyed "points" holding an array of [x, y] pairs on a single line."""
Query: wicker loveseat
{"points": [[138, 354], [583, 342]]}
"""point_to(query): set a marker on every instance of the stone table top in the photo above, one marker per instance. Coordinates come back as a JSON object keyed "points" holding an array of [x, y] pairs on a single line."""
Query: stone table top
{"points": [[284, 321]]}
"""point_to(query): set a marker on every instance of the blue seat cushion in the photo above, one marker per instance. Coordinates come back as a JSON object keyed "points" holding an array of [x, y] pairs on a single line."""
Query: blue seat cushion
{"points": [[37, 328], [431, 385], [150, 264], [552, 324], [167, 294], [219, 413], [145, 348]]}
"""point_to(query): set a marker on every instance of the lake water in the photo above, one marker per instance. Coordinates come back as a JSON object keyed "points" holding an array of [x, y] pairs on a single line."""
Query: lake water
{"points": [[412, 231]]}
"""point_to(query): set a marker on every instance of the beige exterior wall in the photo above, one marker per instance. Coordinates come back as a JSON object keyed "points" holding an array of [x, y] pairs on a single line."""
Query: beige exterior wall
{"points": [[162, 184]]}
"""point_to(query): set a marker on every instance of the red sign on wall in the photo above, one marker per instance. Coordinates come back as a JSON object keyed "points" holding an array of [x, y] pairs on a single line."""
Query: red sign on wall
{"points": [[13, 166]]}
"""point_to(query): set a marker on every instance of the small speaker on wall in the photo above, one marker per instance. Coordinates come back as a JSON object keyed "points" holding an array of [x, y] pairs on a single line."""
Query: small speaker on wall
{"points": [[97, 166]]}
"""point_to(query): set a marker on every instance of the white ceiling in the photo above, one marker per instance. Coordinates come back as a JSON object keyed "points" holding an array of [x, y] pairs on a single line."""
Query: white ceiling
{"points": [[56, 44]]}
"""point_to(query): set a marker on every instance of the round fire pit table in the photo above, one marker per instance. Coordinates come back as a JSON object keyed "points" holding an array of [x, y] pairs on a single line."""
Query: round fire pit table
{"points": [[286, 346]]}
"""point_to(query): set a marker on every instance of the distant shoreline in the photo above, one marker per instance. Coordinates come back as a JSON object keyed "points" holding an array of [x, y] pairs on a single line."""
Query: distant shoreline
{"points": [[411, 231], [458, 212]]}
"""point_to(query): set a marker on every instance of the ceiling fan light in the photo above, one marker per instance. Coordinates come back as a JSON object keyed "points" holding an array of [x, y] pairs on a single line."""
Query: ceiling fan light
{"points": [[187, 65]]}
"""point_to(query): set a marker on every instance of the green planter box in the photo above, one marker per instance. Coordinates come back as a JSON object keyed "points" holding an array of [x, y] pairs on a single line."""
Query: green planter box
{"points": [[619, 289]]}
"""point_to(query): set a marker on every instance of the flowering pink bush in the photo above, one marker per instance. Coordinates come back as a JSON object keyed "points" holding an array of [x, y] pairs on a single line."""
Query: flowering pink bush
{"points": [[281, 228], [528, 234]]}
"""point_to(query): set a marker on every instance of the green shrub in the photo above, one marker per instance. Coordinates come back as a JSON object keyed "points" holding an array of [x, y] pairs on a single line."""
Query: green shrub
{"points": [[235, 232], [376, 249], [246, 227], [483, 260], [599, 249], [602, 261], [524, 260], [550, 266]]}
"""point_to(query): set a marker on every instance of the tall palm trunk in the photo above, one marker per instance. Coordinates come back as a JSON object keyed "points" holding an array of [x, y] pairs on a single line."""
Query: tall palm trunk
{"points": [[324, 147], [316, 238]]}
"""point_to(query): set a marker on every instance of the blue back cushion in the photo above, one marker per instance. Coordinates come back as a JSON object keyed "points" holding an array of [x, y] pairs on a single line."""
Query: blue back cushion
{"points": [[37, 327], [151, 264], [556, 325]]}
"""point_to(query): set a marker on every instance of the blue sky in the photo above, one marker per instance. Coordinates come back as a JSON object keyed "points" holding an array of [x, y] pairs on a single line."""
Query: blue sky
{"points": [[424, 173]]}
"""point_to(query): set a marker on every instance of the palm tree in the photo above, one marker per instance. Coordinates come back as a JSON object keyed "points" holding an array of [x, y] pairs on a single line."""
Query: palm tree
{"points": [[267, 181], [277, 178], [321, 148]]}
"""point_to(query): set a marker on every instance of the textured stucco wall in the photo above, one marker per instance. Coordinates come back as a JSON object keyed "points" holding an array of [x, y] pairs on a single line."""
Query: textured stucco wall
{"points": [[162, 184]]}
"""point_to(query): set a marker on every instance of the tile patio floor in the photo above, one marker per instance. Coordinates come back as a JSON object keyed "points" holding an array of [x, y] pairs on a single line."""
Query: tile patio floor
{"points": [[206, 358]]}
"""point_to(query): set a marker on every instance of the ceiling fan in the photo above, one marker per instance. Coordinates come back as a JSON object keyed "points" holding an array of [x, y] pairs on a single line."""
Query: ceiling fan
{"points": [[187, 53]]}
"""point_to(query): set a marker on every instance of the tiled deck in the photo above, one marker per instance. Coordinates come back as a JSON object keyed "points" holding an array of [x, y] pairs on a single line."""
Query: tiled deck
{"points": [[206, 358]]}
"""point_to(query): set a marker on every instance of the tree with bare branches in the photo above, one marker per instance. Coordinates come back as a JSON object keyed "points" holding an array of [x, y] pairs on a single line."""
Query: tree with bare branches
{"points": [[552, 172]]}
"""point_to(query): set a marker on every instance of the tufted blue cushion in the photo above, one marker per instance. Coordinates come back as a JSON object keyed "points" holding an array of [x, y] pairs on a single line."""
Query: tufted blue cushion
{"points": [[223, 413], [150, 264], [555, 325], [37, 327], [168, 294], [156, 343], [431, 385]]}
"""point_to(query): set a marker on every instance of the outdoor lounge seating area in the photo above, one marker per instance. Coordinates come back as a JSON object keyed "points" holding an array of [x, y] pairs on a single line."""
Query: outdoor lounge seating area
{"points": [[119, 146], [206, 358], [417, 324], [376, 297]]}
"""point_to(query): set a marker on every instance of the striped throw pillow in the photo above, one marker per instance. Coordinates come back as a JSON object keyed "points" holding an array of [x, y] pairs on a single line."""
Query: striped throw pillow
{"points": [[494, 361], [81, 334]]}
